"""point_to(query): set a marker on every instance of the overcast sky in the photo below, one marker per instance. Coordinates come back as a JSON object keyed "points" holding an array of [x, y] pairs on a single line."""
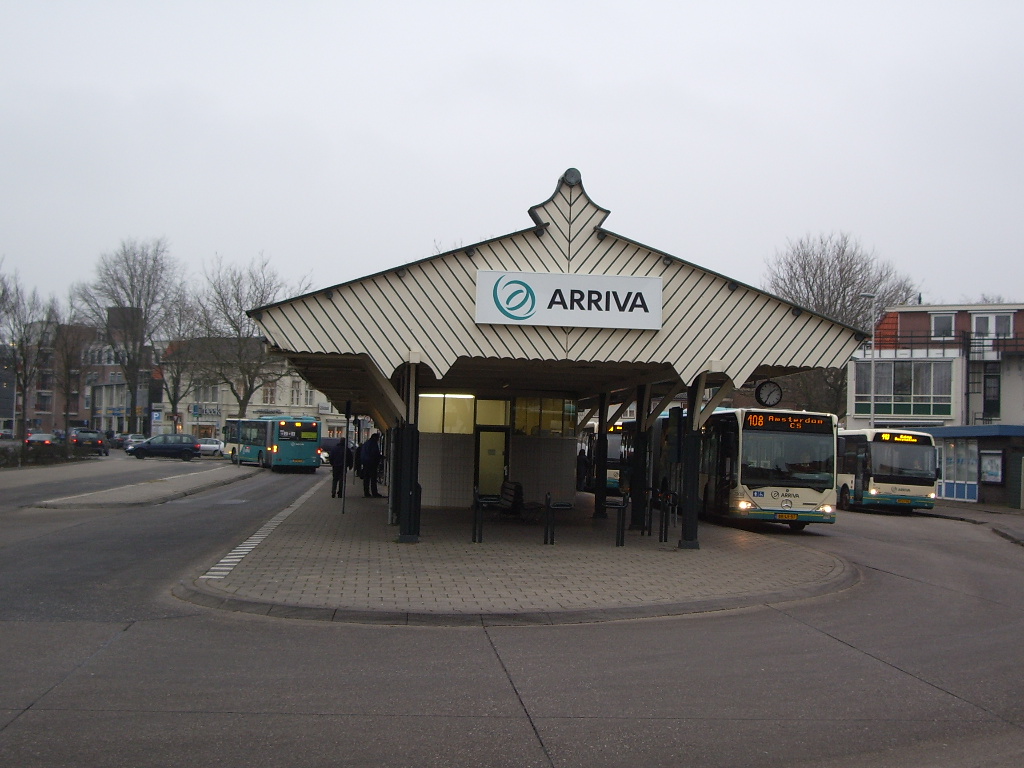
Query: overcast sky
{"points": [[343, 138]]}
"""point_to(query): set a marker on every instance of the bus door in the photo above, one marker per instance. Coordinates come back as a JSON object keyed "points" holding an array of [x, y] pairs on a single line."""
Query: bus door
{"points": [[491, 459]]}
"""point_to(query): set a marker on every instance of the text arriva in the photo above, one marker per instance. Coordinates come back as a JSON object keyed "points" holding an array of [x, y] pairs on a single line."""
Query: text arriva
{"points": [[598, 302]]}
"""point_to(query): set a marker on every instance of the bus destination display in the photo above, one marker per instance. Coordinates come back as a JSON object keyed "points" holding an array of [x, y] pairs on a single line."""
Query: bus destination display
{"points": [[786, 422], [901, 437]]}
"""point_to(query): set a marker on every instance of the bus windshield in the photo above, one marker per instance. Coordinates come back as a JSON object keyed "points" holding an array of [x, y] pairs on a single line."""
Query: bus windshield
{"points": [[787, 459], [903, 463]]}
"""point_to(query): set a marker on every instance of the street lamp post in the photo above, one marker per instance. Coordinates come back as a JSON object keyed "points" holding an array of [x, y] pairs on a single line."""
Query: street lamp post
{"points": [[872, 297]]}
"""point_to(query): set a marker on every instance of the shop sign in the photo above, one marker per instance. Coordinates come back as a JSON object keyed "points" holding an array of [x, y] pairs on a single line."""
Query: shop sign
{"points": [[572, 301]]}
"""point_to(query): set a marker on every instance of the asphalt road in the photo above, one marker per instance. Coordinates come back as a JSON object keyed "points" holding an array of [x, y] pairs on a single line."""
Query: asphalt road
{"points": [[918, 665]]}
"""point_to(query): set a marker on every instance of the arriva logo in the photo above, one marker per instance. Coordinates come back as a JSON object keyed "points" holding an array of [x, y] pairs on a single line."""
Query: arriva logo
{"points": [[514, 298]]}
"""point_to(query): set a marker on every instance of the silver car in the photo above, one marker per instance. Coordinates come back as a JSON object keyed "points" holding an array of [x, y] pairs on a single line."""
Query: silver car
{"points": [[210, 446], [130, 440]]}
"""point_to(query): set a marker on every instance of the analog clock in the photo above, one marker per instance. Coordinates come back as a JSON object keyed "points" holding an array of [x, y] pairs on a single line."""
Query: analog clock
{"points": [[768, 393]]}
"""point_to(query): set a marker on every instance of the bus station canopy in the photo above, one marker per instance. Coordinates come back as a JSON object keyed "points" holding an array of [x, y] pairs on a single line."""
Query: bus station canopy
{"points": [[562, 308]]}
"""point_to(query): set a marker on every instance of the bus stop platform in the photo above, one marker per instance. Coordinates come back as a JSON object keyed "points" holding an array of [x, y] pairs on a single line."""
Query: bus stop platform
{"points": [[312, 561]]}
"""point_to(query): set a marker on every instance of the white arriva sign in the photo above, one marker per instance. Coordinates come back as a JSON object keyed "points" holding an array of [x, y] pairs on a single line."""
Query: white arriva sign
{"points": [[572, 301]]}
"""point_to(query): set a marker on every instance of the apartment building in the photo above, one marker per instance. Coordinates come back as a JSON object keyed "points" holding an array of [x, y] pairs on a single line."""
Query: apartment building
{"points": [[957, 372]]}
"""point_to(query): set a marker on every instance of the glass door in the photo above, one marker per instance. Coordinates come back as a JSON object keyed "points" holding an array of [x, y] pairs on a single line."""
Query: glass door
{"points": [[491, 459]]}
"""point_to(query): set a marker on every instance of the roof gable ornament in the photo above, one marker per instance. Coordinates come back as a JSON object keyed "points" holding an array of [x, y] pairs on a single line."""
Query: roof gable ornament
{"points": [[569, 216]]}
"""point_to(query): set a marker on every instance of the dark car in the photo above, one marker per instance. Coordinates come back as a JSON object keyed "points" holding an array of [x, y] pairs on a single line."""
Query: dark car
{"points": [[40, 438], [184, 447], [326, 446], [89, 440]]}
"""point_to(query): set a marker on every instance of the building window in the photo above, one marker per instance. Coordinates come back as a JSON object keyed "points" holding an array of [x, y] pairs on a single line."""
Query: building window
{"points": [[310, 396], [905, 388], [942, 326], [992, 326], [458, 414], [269, 393], [544, 417], [990, 391], [296, 392]]}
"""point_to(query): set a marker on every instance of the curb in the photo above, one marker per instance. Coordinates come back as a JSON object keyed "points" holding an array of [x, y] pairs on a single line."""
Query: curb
{"points": [[1013, 538], [151, 500], [843, 576]]}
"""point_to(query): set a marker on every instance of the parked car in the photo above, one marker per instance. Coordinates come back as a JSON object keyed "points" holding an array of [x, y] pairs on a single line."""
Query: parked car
{"points": [[40, 438], [89, 440], [6, 434], [117, 441], [326, 446], [184, 447], [211, 446], [130, 440]]}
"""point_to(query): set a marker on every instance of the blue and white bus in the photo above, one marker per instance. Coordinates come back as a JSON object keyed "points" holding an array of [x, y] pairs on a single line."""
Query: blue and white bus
{"points": [[273, 442]]}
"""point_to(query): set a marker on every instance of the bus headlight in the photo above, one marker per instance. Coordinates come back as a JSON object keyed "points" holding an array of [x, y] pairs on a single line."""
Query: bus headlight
{"points": [[826, 509], [745, 505], [873, 491], [931, 495]]}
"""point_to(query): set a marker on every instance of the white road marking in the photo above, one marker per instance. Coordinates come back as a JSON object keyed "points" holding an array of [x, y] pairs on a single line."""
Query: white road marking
{"points": [[235, 556]]}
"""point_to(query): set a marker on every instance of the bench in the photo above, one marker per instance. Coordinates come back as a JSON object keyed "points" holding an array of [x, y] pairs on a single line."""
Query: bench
{"points": [[509, 501]]}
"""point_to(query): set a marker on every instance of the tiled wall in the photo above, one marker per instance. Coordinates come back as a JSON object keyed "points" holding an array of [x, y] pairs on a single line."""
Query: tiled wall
{"points": [[544, 465], [541, 464], [447, 463]]}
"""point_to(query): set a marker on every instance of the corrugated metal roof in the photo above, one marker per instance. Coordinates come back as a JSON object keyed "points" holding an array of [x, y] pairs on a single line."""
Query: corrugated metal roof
{"points": [[710, 321]]}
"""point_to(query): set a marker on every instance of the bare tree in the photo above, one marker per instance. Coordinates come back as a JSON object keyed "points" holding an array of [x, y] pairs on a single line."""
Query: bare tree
{"points": [[128, 301], [7, 383], [178, 353], [234, 354], [829, 274], [26, 329], [72, 340]]}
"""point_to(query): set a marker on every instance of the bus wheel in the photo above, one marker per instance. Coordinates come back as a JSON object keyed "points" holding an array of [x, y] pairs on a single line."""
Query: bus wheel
{"points": [[844, 498], [797, 526]]}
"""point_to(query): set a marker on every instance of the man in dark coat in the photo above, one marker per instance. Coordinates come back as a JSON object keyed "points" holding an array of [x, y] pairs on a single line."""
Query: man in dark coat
{"points": [[369, 460], [341, 460]]}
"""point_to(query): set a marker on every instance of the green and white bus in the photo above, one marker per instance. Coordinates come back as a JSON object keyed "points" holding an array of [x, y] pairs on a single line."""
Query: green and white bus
{"points": [[886, 468], [274, 442]]}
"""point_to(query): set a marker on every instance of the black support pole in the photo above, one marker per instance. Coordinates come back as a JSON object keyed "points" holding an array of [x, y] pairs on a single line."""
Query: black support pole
{"points": [[638, 465], [601, 460], [406, 484], [691, 469]]}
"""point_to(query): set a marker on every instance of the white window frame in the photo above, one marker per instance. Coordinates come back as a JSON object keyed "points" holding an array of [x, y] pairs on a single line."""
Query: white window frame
{"points": [[952, 324], [992, 319]]}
